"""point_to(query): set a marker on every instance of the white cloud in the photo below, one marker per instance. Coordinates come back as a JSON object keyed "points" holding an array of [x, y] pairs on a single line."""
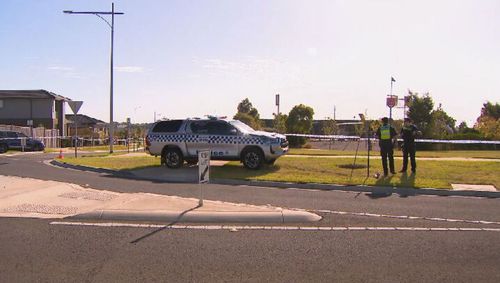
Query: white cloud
{"points": [[276, 72], [312, 51], [60, 68], [129, 69]]}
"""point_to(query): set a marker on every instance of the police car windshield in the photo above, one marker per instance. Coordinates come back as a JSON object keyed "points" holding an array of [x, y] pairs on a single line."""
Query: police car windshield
{"points": [[242, 127]]}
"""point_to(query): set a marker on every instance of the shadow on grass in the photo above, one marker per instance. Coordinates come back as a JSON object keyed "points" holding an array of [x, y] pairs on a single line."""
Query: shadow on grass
{"points": [[238, 171]]}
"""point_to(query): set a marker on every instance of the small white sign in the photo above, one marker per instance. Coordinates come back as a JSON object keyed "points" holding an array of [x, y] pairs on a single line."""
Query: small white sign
{"points": [[29, 122], [204, 166]]}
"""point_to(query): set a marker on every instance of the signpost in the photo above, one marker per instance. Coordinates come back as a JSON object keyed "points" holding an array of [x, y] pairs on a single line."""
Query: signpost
{"points": [[30, 124], [203, 171], [128, 135], [278, 103], [75, 106], [23, 143], [391, 101]]}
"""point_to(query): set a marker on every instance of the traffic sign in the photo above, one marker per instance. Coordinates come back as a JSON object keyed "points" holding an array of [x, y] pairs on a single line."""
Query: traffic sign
{"points": [[392, 100], [204, 166], [75, 105]]}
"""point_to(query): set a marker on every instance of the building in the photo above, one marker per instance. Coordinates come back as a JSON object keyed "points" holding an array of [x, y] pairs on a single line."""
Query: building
{"points": [[37, 108], [87, 126]]}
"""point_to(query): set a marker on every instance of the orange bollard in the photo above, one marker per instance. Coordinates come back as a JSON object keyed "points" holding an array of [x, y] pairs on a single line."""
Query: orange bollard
{"points": [[61, 156]]}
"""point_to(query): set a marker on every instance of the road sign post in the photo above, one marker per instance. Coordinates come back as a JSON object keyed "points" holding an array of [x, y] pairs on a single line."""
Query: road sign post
{"points": [[391, 101], [203, 171], [75, 107]]}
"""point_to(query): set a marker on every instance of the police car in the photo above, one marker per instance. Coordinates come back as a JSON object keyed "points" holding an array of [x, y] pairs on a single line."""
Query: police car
{"points": [[177, 141]]}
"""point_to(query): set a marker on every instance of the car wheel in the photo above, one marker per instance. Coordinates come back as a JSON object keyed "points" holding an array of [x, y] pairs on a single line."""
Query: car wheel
{"points": [[172, 157], [37, 147], [252, 159], [3, 148]]}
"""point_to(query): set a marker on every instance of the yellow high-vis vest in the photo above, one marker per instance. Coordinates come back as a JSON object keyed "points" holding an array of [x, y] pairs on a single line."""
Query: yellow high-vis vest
{"points": [[385, 132]]}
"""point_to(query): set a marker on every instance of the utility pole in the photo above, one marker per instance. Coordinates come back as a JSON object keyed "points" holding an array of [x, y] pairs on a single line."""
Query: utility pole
{"points": [[98, 14]]}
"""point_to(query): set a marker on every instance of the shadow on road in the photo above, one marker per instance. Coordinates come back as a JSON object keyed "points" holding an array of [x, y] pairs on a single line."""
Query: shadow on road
{"points": [[165, 227]]}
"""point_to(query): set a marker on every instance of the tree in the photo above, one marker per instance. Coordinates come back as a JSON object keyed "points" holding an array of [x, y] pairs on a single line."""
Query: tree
{"points": [[279, 123], [329, 127], [420, 110], [442, 125], [488, 123], [247, 119], [248, 114], [299, 121]]}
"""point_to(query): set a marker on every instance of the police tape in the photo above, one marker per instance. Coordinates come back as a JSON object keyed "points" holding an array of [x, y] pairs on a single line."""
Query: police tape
{"points": [[71, 138], [355, 138]]}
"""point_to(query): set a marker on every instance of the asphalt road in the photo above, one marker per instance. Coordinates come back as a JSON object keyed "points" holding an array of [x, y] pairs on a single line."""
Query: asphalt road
{"points": [[35, 250]]}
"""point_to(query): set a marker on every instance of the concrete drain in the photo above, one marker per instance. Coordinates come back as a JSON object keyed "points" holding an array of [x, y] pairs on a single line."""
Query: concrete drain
{"points": [[88, 196], [42, 209]]}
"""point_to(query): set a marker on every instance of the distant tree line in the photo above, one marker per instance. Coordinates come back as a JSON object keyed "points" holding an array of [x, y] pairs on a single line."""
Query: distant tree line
{"points": [[434, 123]]}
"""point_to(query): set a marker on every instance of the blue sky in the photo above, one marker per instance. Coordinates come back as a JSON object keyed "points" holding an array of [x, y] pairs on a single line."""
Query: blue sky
{"points": [[192, 58]]}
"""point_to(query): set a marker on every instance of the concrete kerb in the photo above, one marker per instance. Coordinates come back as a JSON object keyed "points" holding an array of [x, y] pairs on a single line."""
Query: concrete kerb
{"points": [[375, 190], [284, 216]]}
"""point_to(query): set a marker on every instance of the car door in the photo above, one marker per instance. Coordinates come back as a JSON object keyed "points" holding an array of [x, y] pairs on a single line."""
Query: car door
{"points": [[223, 139], [13, 141], [217, 136], [197, 137]]}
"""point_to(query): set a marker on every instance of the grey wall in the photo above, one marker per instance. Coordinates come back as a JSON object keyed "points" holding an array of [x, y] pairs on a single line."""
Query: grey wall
{"points": [[15, 108], [43, 108]]}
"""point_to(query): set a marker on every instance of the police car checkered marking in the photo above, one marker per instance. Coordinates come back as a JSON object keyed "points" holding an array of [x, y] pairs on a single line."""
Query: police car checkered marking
{"points": [[212, 139]]}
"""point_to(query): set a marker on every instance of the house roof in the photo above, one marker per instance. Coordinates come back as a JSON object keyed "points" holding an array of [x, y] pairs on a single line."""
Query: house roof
{"points": [[33, 94], [82, 119]]}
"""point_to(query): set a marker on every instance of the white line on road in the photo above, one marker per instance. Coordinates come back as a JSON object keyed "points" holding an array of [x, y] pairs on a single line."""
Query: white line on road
{"points": [[275, 228], [401, 216]]}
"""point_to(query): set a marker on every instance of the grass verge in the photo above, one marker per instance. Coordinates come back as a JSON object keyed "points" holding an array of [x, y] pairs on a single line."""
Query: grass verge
{"points": [[489, 154], [430, 174]]}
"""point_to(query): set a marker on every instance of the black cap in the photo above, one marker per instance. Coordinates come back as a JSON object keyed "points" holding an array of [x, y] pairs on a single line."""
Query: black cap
{"points": [[385, 120]]}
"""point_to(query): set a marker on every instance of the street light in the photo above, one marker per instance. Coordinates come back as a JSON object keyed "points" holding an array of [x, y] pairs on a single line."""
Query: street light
{"points": [[98, 14]]}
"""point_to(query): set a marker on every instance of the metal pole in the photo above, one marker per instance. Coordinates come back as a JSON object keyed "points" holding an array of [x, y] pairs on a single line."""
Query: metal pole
{"points": [[76, 138], [111, 124], [390, 108], [369, 148]]}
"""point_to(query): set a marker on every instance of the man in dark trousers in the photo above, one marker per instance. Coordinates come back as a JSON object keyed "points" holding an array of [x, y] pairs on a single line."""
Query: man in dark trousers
{"points": [[386, 135], [408, 134]]}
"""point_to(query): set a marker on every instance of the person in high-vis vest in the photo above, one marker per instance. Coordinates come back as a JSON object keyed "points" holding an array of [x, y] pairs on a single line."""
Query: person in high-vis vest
{"points": [[408, 134], [386, 135]]}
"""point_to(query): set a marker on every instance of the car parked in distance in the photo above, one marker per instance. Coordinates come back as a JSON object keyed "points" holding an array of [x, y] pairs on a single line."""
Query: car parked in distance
{"points": [[15, 140], [177, 141]]}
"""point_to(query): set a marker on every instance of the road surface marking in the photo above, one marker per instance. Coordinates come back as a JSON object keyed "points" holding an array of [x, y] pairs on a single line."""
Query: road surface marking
{"points": [[274, 228], [399, 216]]}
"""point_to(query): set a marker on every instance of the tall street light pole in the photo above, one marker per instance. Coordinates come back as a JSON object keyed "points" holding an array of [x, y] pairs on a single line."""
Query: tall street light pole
{"points": [[98, 14]]}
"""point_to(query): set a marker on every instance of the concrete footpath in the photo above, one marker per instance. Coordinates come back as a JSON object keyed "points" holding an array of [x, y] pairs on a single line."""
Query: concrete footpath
{"points": [[26, 197]]}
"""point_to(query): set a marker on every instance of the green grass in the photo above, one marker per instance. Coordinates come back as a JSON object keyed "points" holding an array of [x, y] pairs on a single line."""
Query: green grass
{"points": [[431, 173], [491, 154], [114, 161]]}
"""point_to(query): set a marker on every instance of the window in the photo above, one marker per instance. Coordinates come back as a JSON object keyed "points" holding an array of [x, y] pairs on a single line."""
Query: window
{"points": [[171, 126], [1, 104], [199, 127], [219, 128], [212, 128], [11, 135]]}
